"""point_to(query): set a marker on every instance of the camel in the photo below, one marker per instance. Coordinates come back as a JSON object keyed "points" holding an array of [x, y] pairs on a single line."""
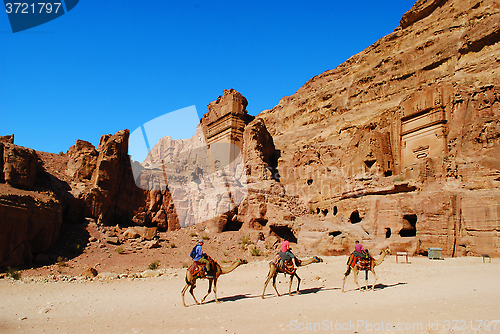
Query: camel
{"points": [[373, 264], [191, 281], [275, 268]]}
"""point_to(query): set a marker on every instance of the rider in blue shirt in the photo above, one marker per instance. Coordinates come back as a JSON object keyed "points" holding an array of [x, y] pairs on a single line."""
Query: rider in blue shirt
{"points": [[200, 256]]}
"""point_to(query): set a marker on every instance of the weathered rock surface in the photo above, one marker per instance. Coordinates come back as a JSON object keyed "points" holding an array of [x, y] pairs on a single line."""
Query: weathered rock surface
{"points": [[19, 165], [29, 224], [113, 197], [399, 145], [82, 160]]}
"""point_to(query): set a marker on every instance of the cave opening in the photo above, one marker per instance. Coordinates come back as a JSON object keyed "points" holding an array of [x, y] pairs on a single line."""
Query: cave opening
{"points": [[409, 228], [355, 218], [388, 232], [282, 231], [369, 164], [334, 233], [232, 225]]}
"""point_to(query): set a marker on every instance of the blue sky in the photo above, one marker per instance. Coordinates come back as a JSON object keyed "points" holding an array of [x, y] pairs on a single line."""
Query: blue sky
{"points": [[112, 65]]}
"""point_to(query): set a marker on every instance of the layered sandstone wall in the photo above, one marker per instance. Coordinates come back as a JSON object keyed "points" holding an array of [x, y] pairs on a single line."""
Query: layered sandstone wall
{"points": [[404, 133], [29, 220], [398, 146]]}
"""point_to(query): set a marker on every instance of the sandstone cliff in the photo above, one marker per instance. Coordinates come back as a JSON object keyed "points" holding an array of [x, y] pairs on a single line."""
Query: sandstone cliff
{"points": [[399, 145]]}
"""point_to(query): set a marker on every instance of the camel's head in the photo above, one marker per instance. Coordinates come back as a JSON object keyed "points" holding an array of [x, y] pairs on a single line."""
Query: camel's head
{"points": [[242, 261], [386, 251], [317, 259]]}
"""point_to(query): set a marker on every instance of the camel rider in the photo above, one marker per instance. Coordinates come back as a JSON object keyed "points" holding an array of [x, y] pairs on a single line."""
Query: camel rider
{"points": [[201, 257], [360, 251], [285, 251]]}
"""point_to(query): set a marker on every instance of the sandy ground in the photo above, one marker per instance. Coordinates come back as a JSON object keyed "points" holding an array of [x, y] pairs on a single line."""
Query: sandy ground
{"points": [[426, 296]]}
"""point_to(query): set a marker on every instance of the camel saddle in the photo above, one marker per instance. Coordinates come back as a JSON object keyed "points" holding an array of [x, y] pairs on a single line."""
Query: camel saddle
{"points": [[287, 267], [363, 264], [197, 269]]}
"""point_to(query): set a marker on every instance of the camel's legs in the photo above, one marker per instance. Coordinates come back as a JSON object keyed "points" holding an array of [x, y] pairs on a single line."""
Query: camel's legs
{"points": [[348, 271], [209, 290], [355, 273], [274, 284], [272, 274], [215, 290], [376, 277], [267, 282], [298, 283], [183, 292], [192, 294], [290, 285]]}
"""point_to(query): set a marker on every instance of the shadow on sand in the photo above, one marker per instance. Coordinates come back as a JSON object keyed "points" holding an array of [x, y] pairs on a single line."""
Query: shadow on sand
{"points": [[380, 286], [231, 298], [302, 292]]}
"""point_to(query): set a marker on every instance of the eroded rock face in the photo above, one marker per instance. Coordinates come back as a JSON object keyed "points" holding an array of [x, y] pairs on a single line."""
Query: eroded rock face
{"points": [[398, 146], [394, 144], [19, 166], [82, 160], [7, 139], [29, 224], [113, 197]]}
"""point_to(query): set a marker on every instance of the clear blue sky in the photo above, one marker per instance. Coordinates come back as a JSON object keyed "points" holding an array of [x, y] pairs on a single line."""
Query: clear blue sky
{"points": [[112, 65]]}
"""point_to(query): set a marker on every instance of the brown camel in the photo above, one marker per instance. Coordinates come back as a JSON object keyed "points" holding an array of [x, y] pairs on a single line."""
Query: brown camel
{"points": [[373, 264], [274, 269], [191, 281]]}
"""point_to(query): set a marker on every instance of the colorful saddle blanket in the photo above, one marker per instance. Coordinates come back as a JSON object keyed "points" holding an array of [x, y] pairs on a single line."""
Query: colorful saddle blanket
{"points": [[197, 269], [286, 267], [363, 264]]}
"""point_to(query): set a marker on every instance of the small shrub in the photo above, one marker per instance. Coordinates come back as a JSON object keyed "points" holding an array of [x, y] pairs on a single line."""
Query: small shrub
{"points": [[61, 261], [172, 245], [154, 265], [245, 240], [193, 234], [120, 250], [256, 252], [14, 273], [61, 153], [311, 210], [205, 237]]}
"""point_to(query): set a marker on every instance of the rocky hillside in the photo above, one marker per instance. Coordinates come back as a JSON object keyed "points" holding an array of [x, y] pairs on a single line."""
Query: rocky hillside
{"points": [[398, 146], [401, 142]]}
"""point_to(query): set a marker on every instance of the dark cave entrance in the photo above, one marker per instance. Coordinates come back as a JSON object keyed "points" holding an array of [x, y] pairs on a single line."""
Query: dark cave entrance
{"points": [[232, 226], [409, 226], [355, 218], [282, 231], [388, 232]]}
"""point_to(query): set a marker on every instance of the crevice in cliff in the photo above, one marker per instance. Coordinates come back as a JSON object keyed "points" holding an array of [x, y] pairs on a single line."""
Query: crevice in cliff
{"points": [[435, 64], [485, 37]]}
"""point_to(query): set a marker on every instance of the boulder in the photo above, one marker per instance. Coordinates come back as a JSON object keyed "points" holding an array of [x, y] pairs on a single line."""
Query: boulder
{"points": [[82, 160], [89, 272], [19, 166]]}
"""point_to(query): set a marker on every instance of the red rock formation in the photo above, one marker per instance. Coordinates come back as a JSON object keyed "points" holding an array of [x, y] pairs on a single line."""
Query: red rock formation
{"points": [[395, 143], [19, 166], [113, 197], [82, 160], [29, 220], [398, 146]]}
